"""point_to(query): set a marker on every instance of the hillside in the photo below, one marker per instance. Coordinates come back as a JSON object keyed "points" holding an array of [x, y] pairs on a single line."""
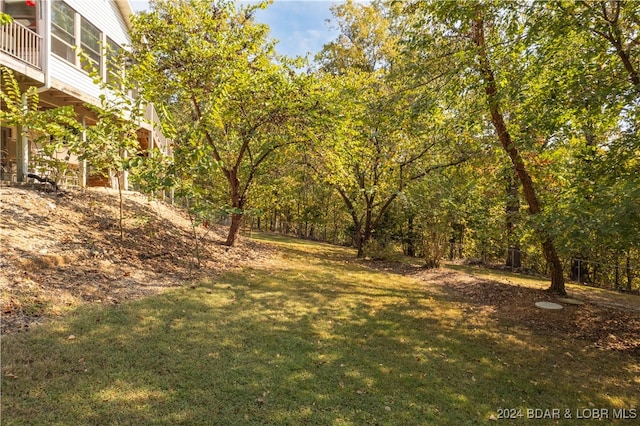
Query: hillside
{"points": [[314, 336], [62, 250]]}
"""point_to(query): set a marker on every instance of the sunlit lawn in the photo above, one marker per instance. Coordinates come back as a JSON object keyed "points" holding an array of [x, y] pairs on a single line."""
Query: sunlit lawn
{"points": [[313, 338]]}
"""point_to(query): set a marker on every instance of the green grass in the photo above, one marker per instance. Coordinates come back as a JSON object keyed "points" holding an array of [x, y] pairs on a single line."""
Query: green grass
{"points": [[312, 338]]}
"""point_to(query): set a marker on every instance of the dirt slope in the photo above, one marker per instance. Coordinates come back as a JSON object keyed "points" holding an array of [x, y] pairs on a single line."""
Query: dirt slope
{"points": [[59, 251]]}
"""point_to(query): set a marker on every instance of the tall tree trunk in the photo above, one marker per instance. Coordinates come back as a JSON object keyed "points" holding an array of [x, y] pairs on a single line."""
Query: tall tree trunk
{"points": [[628, 270], [497, 119], [512, 209], [236, 222], [359, 240], [411, 244], [237, 202]]}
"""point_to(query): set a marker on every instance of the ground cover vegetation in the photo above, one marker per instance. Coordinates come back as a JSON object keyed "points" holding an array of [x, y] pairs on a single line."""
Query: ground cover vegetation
{"points": [[313, 336], [499, 131]]}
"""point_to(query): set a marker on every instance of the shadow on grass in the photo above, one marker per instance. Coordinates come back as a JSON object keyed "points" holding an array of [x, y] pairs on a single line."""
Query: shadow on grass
{"points": [[299, 344]]}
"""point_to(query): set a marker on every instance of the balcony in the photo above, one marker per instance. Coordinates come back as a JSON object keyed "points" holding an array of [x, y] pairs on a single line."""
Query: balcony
{"points": [[153, 120], [21, 43]]}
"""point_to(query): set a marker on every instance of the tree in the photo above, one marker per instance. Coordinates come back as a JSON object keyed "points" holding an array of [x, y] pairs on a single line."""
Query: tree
{"points": [[374, 150], [366, 41], [378, 141], [213, 61], [597, 91], [111, 145], [498, 120], [485, 45], [55, 130]]}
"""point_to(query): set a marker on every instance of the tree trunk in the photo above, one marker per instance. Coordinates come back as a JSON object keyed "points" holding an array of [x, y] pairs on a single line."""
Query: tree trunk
{"points": [[411, 244], [497, 119], [512, 210], [365, 234], [120, 206], [359, 242], [236, 222], [237, 202], [557, 275], [629, 274]]}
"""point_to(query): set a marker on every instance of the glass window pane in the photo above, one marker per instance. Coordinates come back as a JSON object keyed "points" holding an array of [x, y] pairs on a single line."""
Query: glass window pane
{"points": [[90, 36], [63, 50], [114, 66], [62, 16], [62, 34]]}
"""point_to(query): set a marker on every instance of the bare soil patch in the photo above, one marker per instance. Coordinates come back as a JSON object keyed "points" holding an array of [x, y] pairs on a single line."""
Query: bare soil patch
{"points": [[602, 321], [606, 319], [62, 250]]}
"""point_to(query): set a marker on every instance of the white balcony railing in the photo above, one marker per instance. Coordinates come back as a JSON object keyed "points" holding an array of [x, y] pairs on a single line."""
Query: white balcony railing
{"points": [[21, 43], [151, 115]]}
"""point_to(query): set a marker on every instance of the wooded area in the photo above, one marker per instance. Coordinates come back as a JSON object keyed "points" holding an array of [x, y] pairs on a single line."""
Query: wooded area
{"points": [[489, 130]]}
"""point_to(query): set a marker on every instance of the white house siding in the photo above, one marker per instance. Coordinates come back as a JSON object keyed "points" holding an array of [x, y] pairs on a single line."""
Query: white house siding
{"points": [[69, 79], [105, 15], [65, 76]]}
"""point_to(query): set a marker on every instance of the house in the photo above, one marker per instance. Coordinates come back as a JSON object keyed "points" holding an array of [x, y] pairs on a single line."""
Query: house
{"points": [[40, 47]]}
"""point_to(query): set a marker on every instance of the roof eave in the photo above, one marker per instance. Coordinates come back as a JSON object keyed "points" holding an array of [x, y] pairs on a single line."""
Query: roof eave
{"points": [[126, 10]]}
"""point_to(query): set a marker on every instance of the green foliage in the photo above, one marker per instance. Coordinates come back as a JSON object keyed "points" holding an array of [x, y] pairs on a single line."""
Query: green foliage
{"points": [[5, 19], [566, 81], [383, 134], [55, 131], [366, 41], [111, 144], [231, 102]]}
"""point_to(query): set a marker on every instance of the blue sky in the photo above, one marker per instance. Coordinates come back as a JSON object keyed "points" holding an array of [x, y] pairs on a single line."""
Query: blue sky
{"points": [[299, 25]]}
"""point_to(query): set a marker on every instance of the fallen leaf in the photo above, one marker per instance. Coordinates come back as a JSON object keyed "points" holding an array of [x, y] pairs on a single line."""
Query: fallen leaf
{"points": [[71, 337]]}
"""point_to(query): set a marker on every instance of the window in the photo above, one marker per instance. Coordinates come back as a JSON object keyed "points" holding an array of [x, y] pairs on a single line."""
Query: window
{"points": [[68, 30], [115, 67], [62, 31], [90, 43]]}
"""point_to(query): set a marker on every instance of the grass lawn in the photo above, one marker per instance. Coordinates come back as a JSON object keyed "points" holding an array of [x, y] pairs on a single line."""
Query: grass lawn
{"points": [[311, 338]]}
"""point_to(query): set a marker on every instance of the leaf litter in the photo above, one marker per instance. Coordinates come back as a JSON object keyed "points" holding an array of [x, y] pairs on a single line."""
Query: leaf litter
{"points": [[63, 250]]}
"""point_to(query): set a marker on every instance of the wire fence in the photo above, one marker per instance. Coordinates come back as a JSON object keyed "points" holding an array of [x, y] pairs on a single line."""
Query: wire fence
{"points": [[611, 271]]}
